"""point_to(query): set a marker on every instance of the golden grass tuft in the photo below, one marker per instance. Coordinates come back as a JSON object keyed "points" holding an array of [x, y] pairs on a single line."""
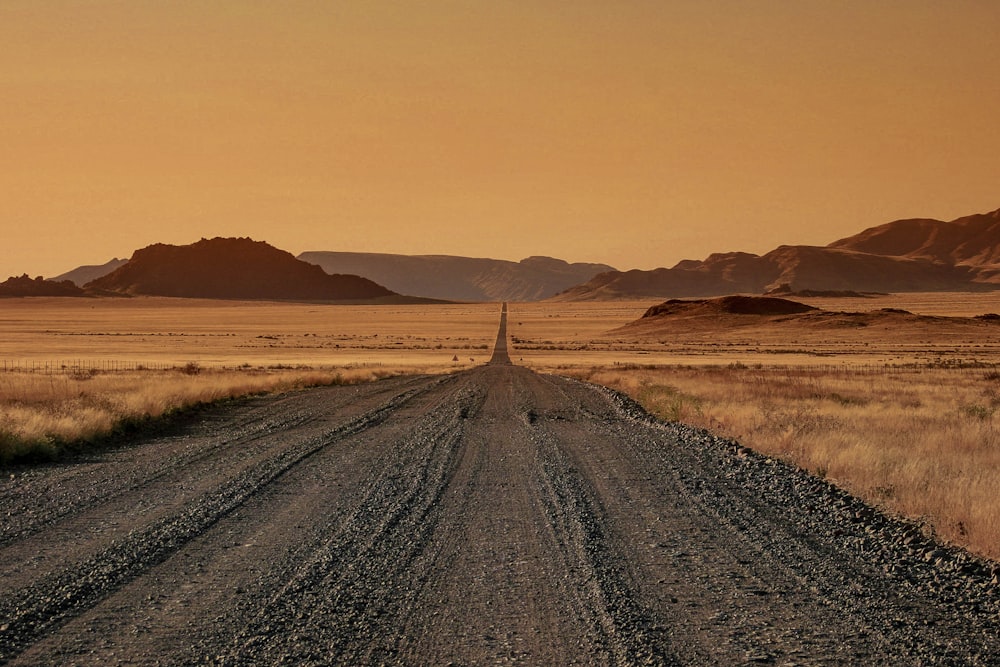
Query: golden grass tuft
{"points": [[924, 443], [42, 416]]}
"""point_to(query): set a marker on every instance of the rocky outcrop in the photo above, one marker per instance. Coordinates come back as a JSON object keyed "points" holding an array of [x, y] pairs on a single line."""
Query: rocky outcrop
{"points": [[232, 268]]}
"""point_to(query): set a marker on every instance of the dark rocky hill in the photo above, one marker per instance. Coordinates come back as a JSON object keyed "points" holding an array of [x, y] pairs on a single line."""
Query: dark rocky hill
{"points": [[21, 286], [233, 268]]}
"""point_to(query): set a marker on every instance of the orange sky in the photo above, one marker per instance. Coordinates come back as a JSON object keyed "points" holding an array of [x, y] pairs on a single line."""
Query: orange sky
{"points": [[636, 133]]}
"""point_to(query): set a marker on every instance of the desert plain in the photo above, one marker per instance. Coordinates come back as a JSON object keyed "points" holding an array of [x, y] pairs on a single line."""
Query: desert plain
{"points": [[158, 332], [902, 412], [411, 490]]}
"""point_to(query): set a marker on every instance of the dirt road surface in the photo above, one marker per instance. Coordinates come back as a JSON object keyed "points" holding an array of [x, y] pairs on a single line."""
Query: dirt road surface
{"points": [[494, 516]]}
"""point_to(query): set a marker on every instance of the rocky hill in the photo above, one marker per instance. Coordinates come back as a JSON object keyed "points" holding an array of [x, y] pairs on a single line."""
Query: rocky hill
{"points": [[460, 278], [902, 256], [24, 286], [970, 241], [756, 318], [233, 268]]}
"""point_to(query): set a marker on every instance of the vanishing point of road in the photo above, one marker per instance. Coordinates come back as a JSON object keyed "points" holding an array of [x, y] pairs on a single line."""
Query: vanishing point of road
{"points": [[492, 516]]}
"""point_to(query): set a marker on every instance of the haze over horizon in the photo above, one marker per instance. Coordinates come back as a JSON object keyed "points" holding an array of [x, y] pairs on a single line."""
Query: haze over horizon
{"points": [[634, 134]]}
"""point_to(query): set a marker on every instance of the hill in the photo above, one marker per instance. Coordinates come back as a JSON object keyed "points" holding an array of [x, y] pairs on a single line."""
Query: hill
{"points": [[233, 268], [902, 256], [24, 286], [728, 305], [82, 275], [460, 278], [752, 318], [970, 241]]}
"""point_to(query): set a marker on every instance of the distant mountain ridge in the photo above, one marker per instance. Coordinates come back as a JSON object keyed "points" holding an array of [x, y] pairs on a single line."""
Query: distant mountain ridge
{"points": [[232, 268], [973, 240], [915, 255], [82, 275], [460, 278]]}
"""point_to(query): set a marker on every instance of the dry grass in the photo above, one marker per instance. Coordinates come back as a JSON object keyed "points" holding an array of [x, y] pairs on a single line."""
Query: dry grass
{"points": [[921, 442], [42, 415], [159, 331], [239, 348]]}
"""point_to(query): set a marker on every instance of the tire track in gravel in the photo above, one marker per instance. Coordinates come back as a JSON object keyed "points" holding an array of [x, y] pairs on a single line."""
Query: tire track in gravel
{"points": [[33, 611], [113, 505], [218, 434], [494, 516]]}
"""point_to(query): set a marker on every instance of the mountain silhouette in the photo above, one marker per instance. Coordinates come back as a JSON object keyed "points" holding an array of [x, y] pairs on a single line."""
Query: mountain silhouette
{"points": [[233, 268], [903, 256], [82, 275], [460, 278], [970, 241]]}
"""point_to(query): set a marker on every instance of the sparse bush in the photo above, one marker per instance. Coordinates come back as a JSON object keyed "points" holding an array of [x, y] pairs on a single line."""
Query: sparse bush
{"points": [[980, 412], [667, 402]]}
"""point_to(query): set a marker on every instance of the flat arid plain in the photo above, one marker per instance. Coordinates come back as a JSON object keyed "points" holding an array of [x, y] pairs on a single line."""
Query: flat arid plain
{"points": [[814, 494]]}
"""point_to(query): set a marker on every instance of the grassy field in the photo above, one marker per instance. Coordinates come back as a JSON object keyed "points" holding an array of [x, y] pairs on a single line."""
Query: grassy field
{"points": [[908, 420]]}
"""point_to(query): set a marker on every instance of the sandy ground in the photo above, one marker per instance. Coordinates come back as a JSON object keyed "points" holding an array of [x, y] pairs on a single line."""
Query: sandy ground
{"points": [[151, 331], [161, 331]]}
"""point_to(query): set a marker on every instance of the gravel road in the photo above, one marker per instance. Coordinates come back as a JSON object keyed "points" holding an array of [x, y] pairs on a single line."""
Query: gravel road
{"points": [[494, 516]]}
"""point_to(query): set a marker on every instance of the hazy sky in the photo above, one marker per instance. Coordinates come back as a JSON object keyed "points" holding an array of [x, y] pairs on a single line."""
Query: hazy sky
{"points": [[632, 132]]}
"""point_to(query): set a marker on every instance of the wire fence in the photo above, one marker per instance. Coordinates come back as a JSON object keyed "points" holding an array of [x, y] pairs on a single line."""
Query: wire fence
{"points": [[82, 365], [93, 366], [846, 367]]}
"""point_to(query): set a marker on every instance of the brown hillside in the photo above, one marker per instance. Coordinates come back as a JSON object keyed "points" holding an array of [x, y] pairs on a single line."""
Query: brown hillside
{"points": [[818, 268], [232, 268], [972, 240], [902, 256], [772, 319], [797, 267]]}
